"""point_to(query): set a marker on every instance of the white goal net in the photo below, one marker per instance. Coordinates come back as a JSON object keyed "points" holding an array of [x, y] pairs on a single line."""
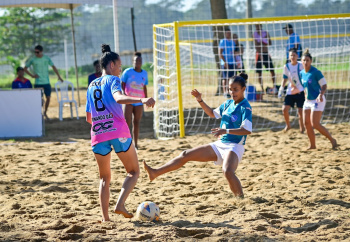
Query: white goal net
{"points": [[186, 57]]}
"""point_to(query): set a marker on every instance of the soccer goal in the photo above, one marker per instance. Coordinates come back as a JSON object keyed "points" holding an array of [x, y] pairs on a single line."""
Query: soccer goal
{"points": [[186, 56]]}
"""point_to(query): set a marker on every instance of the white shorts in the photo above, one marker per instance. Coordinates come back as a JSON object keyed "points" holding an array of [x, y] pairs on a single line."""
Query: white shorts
{"points": [[314, 105], [222, 149]]}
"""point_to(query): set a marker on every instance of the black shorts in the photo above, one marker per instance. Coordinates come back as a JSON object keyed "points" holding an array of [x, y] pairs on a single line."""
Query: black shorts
{"points": [[263, 59], [46, 87], [299, 99]]}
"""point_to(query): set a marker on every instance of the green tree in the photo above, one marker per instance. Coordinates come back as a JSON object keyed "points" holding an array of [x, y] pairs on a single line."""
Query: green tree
{"points": [[23, 28]]}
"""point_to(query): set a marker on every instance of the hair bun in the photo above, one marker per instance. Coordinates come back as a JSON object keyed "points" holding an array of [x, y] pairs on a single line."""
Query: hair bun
{"points": [[306, 51], [106, 48], [244, 76]]}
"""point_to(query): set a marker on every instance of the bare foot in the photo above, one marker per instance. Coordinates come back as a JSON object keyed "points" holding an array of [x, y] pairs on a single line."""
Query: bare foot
{"points": [[302, 131], [103, 221], [149, 170], [123, 212], [334, 144], [311, 148], [286, 128]]}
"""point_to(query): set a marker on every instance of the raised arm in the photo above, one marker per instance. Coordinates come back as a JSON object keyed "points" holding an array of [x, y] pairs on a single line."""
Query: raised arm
{"points": [[208, 110]]}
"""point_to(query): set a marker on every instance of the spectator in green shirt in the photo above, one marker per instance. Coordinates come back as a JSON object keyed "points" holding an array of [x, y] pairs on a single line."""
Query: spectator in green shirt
{"points": [[40, 64]]}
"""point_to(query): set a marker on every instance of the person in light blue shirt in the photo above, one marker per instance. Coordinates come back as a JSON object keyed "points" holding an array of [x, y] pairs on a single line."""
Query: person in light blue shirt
{"points": [[134, 84], [293, 41], [236, 124], [315, 86], [227, 60]]}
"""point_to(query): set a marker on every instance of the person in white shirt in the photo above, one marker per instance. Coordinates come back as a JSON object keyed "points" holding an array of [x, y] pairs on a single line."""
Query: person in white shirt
{"points": [[295, 90]]}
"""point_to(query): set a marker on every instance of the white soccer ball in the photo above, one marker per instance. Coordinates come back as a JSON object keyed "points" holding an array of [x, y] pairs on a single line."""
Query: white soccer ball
{"points": [[148, 211]]}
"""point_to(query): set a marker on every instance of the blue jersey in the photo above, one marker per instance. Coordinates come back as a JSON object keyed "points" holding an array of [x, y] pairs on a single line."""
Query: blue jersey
{"points": [[293, 40], [107, 116], [312, 82], [228, 47], [17, 83], [135, 83], [234, 116], [92, 77]]}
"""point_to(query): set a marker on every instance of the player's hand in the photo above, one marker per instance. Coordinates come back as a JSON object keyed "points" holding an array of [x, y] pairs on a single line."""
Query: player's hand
{"points": [[280, 92], [150, 102], [217, 132], [35, 76], [319, 99], [226, 66], [196, 94]]}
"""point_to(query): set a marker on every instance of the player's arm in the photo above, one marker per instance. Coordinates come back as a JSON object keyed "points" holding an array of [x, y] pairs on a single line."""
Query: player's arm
{"points": [[30, 74], [208, 110], [240, 131], [123, 87], [122, 99], [57, 73], [145, 90], [222, 56], [88, 117]]}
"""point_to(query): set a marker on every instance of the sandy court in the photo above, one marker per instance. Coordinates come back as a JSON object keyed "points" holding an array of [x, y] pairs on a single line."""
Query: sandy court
{"points": [[49, 189]]}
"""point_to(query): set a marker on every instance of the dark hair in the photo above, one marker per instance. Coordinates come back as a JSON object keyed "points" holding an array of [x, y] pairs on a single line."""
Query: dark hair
{"points": [[241, 79], [39, 48], [307, 53], [96, 62], [19, 69], [294, 50], [107, 56], [138, 54]]}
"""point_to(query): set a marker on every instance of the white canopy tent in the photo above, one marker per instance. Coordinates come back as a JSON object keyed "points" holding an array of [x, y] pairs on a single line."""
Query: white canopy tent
{"points": [[71, 4]]}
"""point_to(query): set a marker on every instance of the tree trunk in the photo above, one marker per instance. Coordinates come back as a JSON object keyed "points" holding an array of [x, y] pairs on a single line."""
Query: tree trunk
{"points": [[218, 11]]}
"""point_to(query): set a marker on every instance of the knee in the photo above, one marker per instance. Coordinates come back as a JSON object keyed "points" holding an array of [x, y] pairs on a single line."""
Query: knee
{"points": [[136, 122], [105, 179], [183, 156], [228, 172], [285, 109], [135, 174]]}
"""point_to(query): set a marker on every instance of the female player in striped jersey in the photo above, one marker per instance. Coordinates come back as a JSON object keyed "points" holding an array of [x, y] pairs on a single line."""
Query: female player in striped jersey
{"points": [[315, 87], [236, 124], [108, 128], [295, 90]]}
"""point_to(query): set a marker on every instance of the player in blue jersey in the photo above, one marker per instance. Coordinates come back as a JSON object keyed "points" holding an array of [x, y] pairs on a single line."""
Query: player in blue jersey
{"points": [[21, 81], [293, 41], [315, 87], [227, 60], [97, 73], [236, 124], [108, 128], [134, 84]]}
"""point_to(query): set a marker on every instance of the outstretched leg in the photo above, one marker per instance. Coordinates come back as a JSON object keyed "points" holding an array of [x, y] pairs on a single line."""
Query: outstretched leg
{"points": [[131, 164], [201, 153], [104, 168], [229, 167]]}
